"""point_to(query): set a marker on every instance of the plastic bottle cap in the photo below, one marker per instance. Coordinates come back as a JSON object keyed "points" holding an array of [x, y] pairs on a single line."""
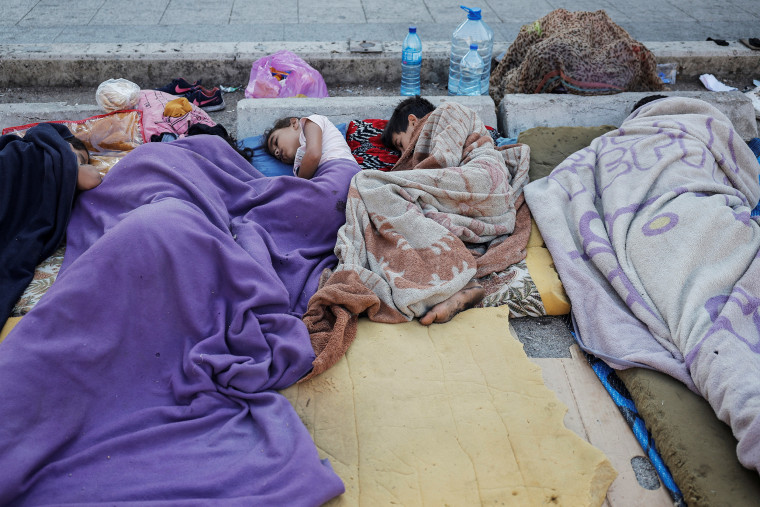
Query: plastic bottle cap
{"points": [[412, 29], [473, 14], [473, 46]]}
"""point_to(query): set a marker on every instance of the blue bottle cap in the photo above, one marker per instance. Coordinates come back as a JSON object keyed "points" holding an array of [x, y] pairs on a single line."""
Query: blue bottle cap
{"points": [[474, 46], [473, 14], [412, 29]]}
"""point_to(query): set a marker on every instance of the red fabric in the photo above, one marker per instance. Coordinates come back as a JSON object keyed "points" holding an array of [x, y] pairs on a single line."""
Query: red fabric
{"points": [[363, 137]]}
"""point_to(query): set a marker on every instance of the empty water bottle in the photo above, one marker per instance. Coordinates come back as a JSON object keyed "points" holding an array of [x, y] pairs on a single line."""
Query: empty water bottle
{"points": [[471, 68], [472, 31], [411, 62]]}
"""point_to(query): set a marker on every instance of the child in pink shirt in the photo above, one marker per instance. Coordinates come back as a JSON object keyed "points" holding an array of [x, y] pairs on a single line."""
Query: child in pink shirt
{"points": [[306, 143]]}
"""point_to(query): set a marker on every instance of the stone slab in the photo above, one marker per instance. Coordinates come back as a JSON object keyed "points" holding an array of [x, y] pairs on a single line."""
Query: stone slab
{"points": [[254, 116], [13, 115], [520, 112]]}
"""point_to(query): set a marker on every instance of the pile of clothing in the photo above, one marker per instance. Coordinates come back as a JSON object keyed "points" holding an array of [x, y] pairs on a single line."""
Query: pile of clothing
{"points": [[584, 53]]}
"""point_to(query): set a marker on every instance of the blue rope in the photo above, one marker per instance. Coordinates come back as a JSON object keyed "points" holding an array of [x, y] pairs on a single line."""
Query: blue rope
{"points": [[754, 145], [622, 399]]}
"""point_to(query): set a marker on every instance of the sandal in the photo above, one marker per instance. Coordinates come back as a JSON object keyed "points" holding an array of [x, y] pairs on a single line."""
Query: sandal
{"points": [[753, 43]]}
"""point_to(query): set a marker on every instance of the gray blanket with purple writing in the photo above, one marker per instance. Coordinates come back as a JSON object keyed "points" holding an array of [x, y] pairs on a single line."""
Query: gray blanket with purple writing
{"points": [[651, 233]]}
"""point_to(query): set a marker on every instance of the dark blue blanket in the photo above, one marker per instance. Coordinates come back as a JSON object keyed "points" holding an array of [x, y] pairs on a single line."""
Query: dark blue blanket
{"points": [[38, 178]]}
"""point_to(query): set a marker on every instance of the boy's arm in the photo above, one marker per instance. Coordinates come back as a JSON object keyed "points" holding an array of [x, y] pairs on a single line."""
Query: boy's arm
{"points": [[474, 140], [313, 153]]}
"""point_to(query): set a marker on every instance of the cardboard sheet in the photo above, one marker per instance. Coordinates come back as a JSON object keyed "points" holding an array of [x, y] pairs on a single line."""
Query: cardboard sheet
{"points": [[450, 414], [699, 449], [593, 415]]}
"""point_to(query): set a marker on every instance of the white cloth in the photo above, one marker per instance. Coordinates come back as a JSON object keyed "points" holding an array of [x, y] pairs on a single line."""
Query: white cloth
{"points": [[334, 144], [712, 84]]}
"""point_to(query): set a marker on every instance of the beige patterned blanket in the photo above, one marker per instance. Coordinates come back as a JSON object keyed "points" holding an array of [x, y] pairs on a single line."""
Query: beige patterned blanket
{"points": [[413, 238]]}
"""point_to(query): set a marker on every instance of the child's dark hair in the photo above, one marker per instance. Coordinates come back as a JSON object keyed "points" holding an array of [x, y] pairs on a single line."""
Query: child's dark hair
{"points": [[399, 121], [279, 124], [78, 144], [647, 100], [219, 130]]}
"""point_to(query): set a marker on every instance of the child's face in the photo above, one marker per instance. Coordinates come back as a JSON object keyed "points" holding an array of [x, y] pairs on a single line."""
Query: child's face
{"points": [[88, 176], [82, 156], [401, 140], [284, 142]]}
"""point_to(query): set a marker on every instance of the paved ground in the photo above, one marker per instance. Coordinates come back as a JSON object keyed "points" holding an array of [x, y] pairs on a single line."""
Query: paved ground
{"points": [[61, 21]]}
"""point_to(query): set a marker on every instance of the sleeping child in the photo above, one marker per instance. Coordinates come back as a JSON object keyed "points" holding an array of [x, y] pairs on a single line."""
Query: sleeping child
{"points": [[398, 131], [306, 143], [40, 175]]}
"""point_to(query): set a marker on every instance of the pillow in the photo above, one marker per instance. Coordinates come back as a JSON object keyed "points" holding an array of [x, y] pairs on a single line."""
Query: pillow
{"points": [[265, 163], [363, 138]]}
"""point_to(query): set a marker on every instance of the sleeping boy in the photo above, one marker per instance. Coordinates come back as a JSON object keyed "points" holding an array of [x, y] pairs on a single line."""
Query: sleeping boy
{"points": [[399, 132], [40, 174], [307, 143]]}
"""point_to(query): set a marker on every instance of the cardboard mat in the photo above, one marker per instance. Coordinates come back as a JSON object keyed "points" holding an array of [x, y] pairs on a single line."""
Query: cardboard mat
{"points": [[593, 415]]}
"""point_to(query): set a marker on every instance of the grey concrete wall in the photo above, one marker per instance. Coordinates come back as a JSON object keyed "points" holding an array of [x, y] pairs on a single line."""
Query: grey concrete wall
{"points": [[521, 111], [254, 116]]}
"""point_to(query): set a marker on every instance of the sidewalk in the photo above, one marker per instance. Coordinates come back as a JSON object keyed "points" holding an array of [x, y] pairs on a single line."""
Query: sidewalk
{"points": [[112, 21]]}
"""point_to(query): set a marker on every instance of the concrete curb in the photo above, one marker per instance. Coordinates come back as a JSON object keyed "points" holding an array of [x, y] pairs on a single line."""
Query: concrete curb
{"points": [[13, 115], [516, 113], [254, 116], [520, 112], [155, 64]]}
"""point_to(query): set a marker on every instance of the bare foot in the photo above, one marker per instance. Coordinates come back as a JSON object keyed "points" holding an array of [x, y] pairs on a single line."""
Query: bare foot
{"points": [[469, 296]]}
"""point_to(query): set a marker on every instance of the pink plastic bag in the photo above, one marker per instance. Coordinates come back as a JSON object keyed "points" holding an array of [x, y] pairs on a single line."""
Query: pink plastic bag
{"points": [[284, 74]]}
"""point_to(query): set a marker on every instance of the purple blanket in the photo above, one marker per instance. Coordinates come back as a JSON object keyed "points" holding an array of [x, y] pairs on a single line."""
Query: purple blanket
{"points": [[148, 371]]}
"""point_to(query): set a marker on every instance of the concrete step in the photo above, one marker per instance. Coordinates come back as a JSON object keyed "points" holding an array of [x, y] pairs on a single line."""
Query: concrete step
{"points": [[516, 112], [155, 64], [16, 114], [254, 116], [519, 112]]}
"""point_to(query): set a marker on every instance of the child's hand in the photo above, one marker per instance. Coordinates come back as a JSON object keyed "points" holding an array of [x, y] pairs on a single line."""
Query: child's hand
{"points": [[88, 177], [472, 142], [313, 152]]}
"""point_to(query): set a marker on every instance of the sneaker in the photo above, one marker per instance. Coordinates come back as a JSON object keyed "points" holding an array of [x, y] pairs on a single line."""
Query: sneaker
{"points": [[179, 87], [212, 102]]}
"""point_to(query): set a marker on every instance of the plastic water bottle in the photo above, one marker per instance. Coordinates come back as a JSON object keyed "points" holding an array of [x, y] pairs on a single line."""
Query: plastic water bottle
{"points": [[411, 62], [472, 31], [471, 69]]}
